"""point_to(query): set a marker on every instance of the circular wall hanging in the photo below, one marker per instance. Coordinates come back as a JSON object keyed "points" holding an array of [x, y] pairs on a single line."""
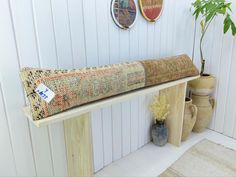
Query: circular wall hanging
{"points": [[151, 9], [124, 13]]}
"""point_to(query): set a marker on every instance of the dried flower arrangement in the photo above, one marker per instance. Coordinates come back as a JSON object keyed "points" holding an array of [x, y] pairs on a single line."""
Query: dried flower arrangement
{"points": [[159, 108]]}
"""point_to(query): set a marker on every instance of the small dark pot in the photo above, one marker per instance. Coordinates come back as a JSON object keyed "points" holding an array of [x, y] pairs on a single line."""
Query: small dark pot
{"points": [[159, 134]]}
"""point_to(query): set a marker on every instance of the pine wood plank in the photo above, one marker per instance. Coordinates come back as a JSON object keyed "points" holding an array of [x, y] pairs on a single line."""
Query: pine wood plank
{"points": [[79, 146], [176, 98]]}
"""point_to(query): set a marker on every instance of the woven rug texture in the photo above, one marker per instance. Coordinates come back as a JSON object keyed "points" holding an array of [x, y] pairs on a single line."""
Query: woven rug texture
{"points": [[204, 159]]}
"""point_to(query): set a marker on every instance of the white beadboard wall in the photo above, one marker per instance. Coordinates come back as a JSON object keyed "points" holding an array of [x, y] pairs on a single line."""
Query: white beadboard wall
{"points": [[73, 34]]}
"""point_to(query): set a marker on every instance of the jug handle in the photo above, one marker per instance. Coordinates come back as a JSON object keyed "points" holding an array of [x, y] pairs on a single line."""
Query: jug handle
{"points": [[212, 101], [194, 111]]}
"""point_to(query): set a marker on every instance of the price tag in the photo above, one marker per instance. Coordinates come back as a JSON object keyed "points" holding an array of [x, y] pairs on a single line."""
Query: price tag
{"points": [[45, 93]]}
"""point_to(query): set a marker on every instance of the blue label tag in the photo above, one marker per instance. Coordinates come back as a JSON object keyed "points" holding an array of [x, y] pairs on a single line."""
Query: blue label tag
{"points": [[45, 93]]}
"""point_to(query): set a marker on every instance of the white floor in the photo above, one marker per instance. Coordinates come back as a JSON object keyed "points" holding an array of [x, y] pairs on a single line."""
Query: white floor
{"points": [[150, 160]]}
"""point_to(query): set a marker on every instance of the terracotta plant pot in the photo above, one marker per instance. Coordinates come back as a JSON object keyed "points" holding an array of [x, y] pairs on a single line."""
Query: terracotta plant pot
{"points": [[205, 106], [190, 115], [204, 85]]}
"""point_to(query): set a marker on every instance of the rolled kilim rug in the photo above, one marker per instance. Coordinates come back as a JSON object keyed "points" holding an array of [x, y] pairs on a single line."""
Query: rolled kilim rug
{"points": [[53, 91]]}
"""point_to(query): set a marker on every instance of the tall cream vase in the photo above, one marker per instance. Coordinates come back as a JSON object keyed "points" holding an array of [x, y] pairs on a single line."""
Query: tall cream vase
{"points": [[204, 85], [201, 88]]}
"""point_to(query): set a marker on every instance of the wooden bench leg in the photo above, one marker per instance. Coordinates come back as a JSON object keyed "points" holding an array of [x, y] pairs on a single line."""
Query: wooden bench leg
{"points": [[79, 146], [176, 98], [78, 133]]}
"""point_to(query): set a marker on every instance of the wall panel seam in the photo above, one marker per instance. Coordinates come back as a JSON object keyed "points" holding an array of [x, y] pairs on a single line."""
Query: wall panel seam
{"points": [[54, 34], [234, 128], [69, 26], [85, 46], [217, 86], [228, 85], [194, 40], [112, 132], [14, 33], [227, 79], [122, 129], [35, 32], [8, 129], [103, 146], [214, 21], [51, 149], [95, 4]]}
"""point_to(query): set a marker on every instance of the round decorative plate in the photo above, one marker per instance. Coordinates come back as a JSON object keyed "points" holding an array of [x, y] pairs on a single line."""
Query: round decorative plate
{"points": [[124, 13], [151, 9]]}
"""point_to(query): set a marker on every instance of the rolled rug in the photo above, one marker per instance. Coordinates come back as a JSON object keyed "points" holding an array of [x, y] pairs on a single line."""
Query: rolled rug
{"points": [[51, 91]]}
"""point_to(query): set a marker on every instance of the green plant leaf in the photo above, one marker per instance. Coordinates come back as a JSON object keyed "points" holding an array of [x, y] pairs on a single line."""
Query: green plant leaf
{"points": [[221, 11], [208, 9], [226, 27], [208, 17], [233, 27], [228, 6], [196, 13], [227, 24]]}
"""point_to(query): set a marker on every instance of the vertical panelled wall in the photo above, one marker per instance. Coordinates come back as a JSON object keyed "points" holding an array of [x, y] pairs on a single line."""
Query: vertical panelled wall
{"points": [[73, 34], [220, 55]]}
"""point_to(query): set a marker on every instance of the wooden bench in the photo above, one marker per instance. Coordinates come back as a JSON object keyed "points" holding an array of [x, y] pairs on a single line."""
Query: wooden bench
{"points": [[77, 123]]}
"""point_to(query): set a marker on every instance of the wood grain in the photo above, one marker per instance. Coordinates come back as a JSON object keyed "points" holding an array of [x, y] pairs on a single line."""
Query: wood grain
{"points": [[79, 146], [176, 98]]}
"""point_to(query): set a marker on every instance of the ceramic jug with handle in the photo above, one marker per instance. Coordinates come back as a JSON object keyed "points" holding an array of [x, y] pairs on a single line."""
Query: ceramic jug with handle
{"points": [[190, 115]]}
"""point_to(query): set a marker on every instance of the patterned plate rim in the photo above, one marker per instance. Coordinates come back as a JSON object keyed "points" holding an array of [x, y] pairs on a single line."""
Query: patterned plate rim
{"points": [[115, 20], [144, 15]]}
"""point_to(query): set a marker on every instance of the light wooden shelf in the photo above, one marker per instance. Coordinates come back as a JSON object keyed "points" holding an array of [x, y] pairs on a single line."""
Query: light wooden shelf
{"points": [[75, 112]]}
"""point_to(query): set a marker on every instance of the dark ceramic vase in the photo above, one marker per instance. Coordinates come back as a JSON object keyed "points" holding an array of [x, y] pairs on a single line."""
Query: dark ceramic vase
{"points": [[159, 133]]}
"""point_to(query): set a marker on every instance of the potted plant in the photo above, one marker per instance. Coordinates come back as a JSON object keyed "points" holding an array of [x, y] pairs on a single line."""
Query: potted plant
{"points": [[160, 111], [206, 11]]}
